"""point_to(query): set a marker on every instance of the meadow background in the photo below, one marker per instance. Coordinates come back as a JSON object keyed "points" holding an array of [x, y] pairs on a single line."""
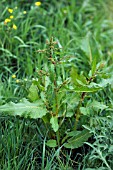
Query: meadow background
{"points": [[82, 29]]}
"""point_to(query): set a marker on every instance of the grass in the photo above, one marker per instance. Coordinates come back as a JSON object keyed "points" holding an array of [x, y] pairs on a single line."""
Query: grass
{"points": [[22, 140]]}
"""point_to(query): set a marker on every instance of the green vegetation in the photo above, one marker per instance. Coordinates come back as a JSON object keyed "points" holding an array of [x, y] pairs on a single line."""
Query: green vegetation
{"points": [[56, 85]]}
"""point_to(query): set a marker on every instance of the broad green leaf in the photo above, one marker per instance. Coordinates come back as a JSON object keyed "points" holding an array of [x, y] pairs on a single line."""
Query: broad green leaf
{"points": [[33, 93], [74, 75], [85, 46], [54, 123], [91, 48], [86, 89], [93, 106], [70, 113], [25, 109], [97, 105], [43, 96], [77, 79], [96, 53], [107, 81], [51, 143], [70, 134], [84, 110], [80, 83], [47, 82], [93, 65], [46, 118], [71, 101], [78, 140]]}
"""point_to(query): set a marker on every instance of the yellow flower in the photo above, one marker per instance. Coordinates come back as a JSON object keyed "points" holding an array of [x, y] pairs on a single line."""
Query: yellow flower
{"points": [[11, 17], [10, 10], [38, 3], [24, 12], [14, 27], [17, 81], [13, 76], [7, 20]]}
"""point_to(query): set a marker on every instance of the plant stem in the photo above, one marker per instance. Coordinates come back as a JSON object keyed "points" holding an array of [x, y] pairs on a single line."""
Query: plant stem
{"points": [[78, 113], [58, 137]]}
